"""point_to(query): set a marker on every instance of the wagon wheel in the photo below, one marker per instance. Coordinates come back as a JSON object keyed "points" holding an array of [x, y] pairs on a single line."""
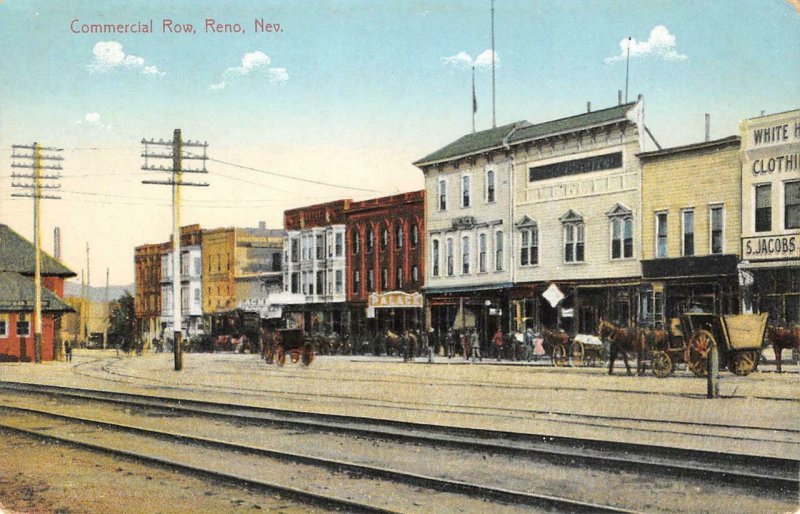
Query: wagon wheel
{"points": [[697, 352], [577, 354], [280, 355], [662, 364], [294, 354], [269, 355], [744, 363], [560, 358], [308, 354]]}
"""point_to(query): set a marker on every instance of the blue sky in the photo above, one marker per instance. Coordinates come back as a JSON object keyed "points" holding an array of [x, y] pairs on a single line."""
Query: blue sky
{"points": [[351, 92]]}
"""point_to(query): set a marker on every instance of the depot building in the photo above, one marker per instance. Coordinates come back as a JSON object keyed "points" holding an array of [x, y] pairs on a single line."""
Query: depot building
{"points": [[770, 242]]}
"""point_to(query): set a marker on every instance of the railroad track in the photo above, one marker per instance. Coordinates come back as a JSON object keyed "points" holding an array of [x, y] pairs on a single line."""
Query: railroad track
{"points": [[746, 471]]}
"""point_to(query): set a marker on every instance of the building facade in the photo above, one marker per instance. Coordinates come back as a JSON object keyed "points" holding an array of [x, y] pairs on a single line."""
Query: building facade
{"points": [[147, 298], [468, 245], [385, 263], [576, 230], [17, 292], [770, 189], [691, 204], [191, 277], [258, 270], [315, 267]]}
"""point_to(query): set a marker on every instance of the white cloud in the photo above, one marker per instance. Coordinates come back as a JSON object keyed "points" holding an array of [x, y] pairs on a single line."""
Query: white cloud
{"points": [[252, 62], [464, 61], [108, 55], [93, 119], [661, 44]]}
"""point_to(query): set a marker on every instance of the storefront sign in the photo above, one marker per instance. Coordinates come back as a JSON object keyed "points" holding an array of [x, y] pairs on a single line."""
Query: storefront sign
{"points": [[395, 299], [576, 166], [463, 223], [21, 304], [262, 306], [771, 247], [553, 295]]}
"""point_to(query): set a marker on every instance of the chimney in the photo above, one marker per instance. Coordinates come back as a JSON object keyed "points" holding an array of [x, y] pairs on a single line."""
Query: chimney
{"points": [[262, 225], [763, 112], [708, 127], [619, 97], [57, 243], [588, 106]]}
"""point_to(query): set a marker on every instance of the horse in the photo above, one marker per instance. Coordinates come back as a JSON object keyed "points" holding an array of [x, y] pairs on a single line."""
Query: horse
{"points": [[552, 340], [623, 340], [783, 337]]}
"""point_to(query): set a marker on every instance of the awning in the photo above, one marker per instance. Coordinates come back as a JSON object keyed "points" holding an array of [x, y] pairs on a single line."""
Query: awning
{"points": [[467, 289], [690, 267]]}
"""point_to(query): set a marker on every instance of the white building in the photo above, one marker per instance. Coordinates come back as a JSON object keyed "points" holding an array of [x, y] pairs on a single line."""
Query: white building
{"points": [[191, 291]]}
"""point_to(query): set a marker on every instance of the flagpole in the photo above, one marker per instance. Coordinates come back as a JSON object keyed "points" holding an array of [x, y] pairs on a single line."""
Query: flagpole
{"points": [[474, 100], [627, 67]]}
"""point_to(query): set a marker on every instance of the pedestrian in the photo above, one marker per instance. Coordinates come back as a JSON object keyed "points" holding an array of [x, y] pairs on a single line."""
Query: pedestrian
{"points": [[498, 343], [68, 351], [475, 343], [465, 345], [404, 341], [452, 337], [528, 342], [431, 344]]}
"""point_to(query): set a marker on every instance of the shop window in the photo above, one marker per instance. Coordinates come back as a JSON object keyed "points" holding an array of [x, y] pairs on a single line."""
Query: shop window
{"points": [[339, 284], [442, 195], [791, 215], [465, 195], [356, 282], [398, 236], [465, 255], [490, 186], [498, 250], [763, 208], [449, 257], [23, 328], [661, 234], [356, 238], [435, 257], [688, 233], [715, 225], [482, 253]]}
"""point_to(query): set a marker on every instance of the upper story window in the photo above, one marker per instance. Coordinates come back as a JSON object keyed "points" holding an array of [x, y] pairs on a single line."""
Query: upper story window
{"points": [[414, 235], [356, 242], [465, 191], [621, 219], [791, 215], [414, 273], [763, 208], [370, 240], [490, 186], [715, 225], [339, 238], [398, 236], [688, 232], [370, 280], [356, 282], [339, 285], [465, 255], [574, 228], [435, 257], [450, 257], [498, 250], [320, 247], [661, 234], [529, 242], [384, 238], [482, 253], [398, 277], [384, 279], [442, 195]]}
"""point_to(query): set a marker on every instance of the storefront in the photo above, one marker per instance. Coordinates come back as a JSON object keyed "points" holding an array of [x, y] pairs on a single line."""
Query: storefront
{"points": [[771, 215], [462, 309]]}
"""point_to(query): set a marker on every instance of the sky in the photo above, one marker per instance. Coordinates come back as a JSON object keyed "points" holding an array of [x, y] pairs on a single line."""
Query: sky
{"points": [[340, 97]]}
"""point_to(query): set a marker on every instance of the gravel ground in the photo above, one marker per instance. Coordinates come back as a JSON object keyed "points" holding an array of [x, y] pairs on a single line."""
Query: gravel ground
{"points": [[41, 477]]}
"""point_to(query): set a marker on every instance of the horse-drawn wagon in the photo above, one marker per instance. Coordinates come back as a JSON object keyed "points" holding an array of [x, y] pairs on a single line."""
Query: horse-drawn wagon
{"points": [[291, 341], [737, 338]]}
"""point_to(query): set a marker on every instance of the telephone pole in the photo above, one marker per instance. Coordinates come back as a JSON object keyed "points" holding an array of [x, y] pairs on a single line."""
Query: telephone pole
{"points": [[38, 190], [176, 181]]}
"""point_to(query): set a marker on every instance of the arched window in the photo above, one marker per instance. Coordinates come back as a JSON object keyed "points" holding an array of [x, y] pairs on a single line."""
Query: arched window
{"points": [[398, 236], [414, 235], [356, 238], [370, 240]]}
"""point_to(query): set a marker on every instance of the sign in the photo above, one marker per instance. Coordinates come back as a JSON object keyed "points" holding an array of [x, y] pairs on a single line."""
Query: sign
{"points": [[562, 169], [463, 223], [22, 304], [553, 295], [780, 246], [395, 299]]}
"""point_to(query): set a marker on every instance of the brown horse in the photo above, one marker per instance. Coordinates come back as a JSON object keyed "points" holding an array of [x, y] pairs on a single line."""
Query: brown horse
{"points": [[552, 340], [783, 337], [623, 340]]}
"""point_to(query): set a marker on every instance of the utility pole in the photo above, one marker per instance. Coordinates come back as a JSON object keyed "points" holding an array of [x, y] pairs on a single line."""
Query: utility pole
{"points": [[108, 311], [82, 316], [87, 302], [176, 182], [494, 117], [38, 191]]}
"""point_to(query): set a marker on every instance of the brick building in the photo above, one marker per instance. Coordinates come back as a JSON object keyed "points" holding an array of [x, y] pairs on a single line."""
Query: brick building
{"points": [[386, 263], [147, 300], [17, 291]]}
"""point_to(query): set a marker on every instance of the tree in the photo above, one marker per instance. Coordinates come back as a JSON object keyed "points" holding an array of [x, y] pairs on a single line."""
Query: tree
{"points": [[122, 322]]}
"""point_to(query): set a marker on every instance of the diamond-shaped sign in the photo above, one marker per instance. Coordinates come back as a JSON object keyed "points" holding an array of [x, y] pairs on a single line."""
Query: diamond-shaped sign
{"points": [[553, 295]]}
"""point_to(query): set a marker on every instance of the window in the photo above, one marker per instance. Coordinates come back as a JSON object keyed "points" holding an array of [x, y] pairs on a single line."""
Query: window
{"points": [[356, 242], [3, 328], [398, 277], [384, 279], [414, 273], [197, 296], [329, 239], [465, 198], [339, 281], [465, 255], [320, 246], [320, 283], [197, 266], [339, 237], [791, 215], [621, 238], [398, 236], [716, 229], [529, 249], [482, 253], [276, 262], [449, 257], [295, 282], [370, 240], [442, 195], [490, 186], [498, 250], [414, 235], [574, 242], [435, 258], [23, 328], [763, 208], [661, 234], [688, 233], [370, 280], [384, 238], [356, 282]]}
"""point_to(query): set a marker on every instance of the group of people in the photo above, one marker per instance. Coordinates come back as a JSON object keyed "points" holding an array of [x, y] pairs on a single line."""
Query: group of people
{"points": [[526, 346]]}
